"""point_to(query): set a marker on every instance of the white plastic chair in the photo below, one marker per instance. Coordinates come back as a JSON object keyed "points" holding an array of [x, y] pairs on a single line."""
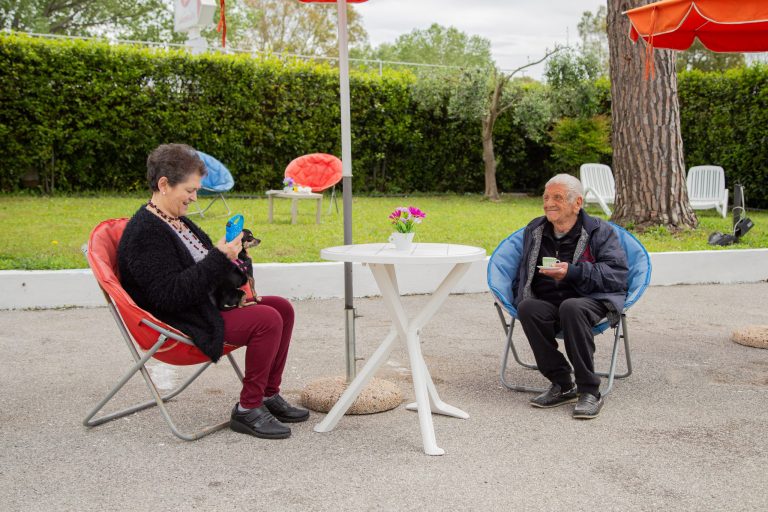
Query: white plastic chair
{"points": [[706, 188], [599, 187]]}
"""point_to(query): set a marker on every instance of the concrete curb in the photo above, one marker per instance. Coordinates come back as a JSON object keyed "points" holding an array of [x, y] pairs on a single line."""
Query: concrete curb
{"points": [[63, 288]]}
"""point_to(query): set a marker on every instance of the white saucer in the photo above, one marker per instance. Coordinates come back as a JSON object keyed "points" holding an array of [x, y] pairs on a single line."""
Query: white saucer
{"points": [[542, 267]]}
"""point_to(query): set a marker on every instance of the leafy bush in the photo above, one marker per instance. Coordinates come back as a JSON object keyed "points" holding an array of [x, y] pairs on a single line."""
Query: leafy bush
{"points": [[82, 116], [724, 119], [580, 140]]}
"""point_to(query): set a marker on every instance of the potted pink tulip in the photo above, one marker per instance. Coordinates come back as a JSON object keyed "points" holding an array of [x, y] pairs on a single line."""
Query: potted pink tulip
{"points": [[404, 221]]}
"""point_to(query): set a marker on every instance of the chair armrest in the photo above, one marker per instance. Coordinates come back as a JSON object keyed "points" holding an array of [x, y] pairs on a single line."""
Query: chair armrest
{"points": [[168, 334]]}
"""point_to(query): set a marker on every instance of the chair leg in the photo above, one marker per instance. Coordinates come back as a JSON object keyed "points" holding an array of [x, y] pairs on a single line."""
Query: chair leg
{"points": [[604, 206], [510, 347], [223, 200], [620, 333], [215, 198], [158, 400], [333, 202]]}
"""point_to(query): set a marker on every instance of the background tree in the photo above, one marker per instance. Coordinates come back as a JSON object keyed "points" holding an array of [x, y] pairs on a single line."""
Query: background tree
{"points": [[484, 94], [447, 46], [479, 91], [580, 101], [574, 87], [282, 26], [647, 146], [698, 57], [594, 38], [128, 19]]}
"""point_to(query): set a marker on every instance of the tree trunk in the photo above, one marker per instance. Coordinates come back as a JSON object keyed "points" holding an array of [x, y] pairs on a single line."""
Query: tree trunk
{"points": [[491, 190], [647, 146]]}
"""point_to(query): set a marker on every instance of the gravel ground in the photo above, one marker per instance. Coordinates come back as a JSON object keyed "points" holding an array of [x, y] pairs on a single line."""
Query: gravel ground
{"points": [[686, 431]]}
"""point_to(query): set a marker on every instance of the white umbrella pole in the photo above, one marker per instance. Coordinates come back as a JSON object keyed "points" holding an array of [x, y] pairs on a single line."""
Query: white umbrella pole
{"points": [[346, 159]]}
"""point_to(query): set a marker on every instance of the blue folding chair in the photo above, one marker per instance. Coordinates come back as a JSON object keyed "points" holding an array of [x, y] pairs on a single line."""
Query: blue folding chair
{"points": [[502, 281], [216, 182]]}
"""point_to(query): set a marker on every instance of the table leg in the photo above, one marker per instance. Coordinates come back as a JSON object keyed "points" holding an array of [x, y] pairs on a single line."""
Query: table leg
{"points": [[427, 400], [436, 301], [271, 204], [319, 209], [293, 211], [436, 405], [384, 276], [358, 384]]}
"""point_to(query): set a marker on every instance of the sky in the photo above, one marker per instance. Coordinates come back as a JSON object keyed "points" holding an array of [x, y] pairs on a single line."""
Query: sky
{"points": [[519, 30]]}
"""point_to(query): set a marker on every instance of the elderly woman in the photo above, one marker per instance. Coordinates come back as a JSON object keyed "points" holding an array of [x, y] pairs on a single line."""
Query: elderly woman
{"points": [[170, 267]]}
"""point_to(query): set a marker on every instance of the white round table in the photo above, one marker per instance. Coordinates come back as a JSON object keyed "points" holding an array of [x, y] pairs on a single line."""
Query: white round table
{"points": [[381, 259]]}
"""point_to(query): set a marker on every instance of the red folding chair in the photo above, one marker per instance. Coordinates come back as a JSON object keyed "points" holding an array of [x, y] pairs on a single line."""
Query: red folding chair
{"points": [[138, 327], [317, 170]]}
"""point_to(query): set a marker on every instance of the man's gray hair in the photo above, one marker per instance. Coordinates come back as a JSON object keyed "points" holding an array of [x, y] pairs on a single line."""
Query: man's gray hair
{"points": [[571, 183]]}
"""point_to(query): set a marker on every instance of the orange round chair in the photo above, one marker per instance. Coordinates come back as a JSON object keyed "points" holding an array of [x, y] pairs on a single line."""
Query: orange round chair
{"points": [[317, 170], [140, 328]]}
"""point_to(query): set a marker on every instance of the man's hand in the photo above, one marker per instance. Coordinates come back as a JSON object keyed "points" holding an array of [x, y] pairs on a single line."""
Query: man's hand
{"points": [[558, 273]]}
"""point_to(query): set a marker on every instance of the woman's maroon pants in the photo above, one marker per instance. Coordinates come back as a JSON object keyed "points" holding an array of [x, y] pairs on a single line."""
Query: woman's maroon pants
{"points": [[265, 330]]}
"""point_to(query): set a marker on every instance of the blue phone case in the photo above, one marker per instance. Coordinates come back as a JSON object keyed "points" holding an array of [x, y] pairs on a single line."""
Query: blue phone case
{"points": [[234, 227]]}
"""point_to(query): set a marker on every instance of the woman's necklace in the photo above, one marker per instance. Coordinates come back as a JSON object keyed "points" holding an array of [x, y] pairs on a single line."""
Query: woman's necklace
{"points": [[182, 229]]}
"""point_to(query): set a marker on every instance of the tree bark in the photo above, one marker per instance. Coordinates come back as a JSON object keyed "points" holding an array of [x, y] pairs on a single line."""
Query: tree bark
{"points": [[500, 81], [647, 146], [489, 159]]}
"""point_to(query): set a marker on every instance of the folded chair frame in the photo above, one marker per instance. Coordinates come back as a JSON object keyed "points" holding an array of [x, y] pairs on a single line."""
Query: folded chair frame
{"points": [[216, 196], [620, 333], [140, 366]]}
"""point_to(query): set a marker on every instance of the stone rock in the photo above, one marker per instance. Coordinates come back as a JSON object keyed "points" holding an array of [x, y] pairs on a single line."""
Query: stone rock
{"points": [[752, 336], [380, 395]]}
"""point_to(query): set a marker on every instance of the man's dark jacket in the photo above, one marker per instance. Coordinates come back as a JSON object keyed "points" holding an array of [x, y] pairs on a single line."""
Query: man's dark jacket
{"points": [[159, 273], [598, 269]]}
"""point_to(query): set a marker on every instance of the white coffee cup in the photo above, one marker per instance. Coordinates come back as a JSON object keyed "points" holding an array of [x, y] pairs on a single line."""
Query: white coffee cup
{"points": [[547, 261]]}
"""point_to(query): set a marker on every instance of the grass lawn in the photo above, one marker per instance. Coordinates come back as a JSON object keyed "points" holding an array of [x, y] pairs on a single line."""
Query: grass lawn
{"points": [[38, 233]]}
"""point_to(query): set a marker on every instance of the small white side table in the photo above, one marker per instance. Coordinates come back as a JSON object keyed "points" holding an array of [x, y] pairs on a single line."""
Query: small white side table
{"points": [[294, 197], [381, 259]]}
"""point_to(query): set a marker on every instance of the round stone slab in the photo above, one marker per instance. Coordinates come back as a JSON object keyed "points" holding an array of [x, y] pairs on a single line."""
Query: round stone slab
{"points": [[380, 395], [752, 336]]}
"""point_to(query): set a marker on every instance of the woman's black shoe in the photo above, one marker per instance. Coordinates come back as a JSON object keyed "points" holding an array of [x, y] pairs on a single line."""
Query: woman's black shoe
{"points": [[258, 422], [284, 411]]}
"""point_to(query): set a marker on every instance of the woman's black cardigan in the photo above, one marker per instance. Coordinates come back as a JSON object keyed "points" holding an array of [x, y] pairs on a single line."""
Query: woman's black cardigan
{"points": [[159, 273]]}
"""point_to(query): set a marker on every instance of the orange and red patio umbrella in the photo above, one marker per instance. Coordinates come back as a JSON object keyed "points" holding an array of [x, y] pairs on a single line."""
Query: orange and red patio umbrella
{"points": [[720, 25]]}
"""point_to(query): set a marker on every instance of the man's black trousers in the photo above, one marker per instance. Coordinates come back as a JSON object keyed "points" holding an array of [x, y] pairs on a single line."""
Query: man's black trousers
{"points": [[541, 320]]}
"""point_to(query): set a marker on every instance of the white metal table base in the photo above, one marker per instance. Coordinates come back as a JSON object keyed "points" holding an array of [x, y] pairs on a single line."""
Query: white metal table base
{"points": [[427, 399]]}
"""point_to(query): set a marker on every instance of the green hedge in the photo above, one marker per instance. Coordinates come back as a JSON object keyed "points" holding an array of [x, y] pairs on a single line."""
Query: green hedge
{"points": [[724, 118], [86, 115], [82, 116]]}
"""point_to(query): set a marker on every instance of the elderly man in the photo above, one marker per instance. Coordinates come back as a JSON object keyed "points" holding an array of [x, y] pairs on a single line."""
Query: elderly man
{"points": [[587, 283]]}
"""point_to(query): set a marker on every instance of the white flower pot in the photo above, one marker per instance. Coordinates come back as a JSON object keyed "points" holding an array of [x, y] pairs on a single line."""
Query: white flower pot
{"points": [[402, 241]]}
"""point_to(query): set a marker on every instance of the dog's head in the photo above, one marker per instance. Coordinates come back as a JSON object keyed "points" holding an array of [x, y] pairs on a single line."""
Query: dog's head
{"points": [[249, 240]]}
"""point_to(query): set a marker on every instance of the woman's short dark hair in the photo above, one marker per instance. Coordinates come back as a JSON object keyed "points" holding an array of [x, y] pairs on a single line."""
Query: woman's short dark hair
{"points": [[174, 161]]}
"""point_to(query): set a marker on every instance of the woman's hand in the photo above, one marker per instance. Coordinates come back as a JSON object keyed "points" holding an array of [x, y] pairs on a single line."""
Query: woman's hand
{"points": [[231, 249]]}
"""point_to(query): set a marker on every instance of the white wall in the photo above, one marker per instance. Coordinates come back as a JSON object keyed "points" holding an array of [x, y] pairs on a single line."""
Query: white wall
{"points": [[60, 288]]}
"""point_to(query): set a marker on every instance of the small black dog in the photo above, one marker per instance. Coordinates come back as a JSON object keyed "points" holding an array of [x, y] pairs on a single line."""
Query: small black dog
{"points": [[229, 295]]}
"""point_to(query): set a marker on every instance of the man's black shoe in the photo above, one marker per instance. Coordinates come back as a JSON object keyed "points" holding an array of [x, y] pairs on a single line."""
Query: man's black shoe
{"points": [[284, 411], [588, 406], [555, 396], [258, 422]]}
